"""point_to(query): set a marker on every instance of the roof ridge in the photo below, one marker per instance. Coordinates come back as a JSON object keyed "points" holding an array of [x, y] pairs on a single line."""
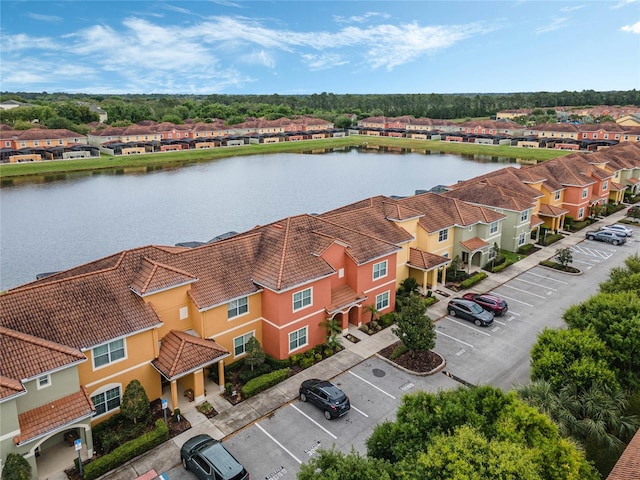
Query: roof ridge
{"points": [[42, 342]]}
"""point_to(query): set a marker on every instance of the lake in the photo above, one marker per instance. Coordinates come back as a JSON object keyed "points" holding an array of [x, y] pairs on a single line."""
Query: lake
{"points": [[57, 225]]}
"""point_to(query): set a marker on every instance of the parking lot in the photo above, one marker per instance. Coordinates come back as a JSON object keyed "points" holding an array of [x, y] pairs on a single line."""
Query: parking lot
{"points": [[276, 445]]}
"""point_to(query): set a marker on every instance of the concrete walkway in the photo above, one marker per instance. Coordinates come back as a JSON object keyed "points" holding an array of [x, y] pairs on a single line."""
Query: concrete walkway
{"points": [[232, 418]]}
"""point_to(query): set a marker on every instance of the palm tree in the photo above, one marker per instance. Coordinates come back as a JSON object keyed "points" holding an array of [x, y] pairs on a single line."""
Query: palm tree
{"points": [[372, 309], [594, 417]]}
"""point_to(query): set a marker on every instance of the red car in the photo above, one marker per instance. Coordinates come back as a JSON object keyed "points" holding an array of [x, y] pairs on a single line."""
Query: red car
{"points": [[489, 301]]}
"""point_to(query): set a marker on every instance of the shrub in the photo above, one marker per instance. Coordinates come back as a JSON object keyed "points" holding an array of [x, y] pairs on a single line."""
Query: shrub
{"points": [[276, 364], [135, 403], [471, 281], [398, 351], [526, 249], [307, 359], [247, 374], [16, 467], [430, 301], [115, 431], [263, 382], [387, 319], [127, 451], [502, 266]]}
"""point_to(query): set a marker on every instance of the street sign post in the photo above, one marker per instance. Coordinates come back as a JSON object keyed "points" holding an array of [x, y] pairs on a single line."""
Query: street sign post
{"points": [[77, 444]]}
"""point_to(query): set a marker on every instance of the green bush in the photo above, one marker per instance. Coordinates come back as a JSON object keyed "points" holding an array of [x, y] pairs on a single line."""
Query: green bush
{"points": [[127, 451], [308, 359], [263, 382], [16, 467], [430, 301], [387, 319], [471, 281], [502, 266], [398, 351], [115, 431], [276, 364], [526, 248], [247, 374]]}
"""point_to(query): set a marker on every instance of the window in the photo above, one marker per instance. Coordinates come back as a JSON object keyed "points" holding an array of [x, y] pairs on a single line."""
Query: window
{"points": [[581, 214], [585, 192], [108, 353], [380, 270], [557, 195], [184, 313], [44, 381], [605, 185], [297, 339], [382, 301], [493, 228], [240, 344], [36, 143], [595, 135], [238, 307], [301, 299], [524, 216], [340, 272], [521, 239], [106, 401], [443, 235]]}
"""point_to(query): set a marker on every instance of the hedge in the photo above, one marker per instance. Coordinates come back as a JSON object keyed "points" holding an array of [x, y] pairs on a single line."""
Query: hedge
{"points": [[471, 281], [258, 384], [127, 451], [502, 266]]}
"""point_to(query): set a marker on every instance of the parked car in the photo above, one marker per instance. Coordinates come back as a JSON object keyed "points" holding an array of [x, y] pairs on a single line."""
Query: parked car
{"points": [[620, 229], [606, 236], [470, 310], [489, 301], [209, 460], [326, 396]]}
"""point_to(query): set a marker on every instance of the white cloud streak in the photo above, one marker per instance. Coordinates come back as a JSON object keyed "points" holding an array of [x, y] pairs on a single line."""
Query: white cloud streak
{"points": [[635, 28]]}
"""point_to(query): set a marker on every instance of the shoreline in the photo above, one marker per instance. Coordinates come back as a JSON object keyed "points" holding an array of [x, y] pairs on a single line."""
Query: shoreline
{"points": [[27, 171]]}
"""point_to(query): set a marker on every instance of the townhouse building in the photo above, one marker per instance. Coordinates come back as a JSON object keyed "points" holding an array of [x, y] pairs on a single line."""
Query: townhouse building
{"points": [[168, 316], [38, 144]]}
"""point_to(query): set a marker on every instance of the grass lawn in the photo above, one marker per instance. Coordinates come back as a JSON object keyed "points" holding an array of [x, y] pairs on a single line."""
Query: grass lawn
{"points": [[144, 162]]}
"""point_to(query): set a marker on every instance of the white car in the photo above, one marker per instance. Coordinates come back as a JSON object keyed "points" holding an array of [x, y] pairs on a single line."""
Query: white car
{"points": [[620, 229]]}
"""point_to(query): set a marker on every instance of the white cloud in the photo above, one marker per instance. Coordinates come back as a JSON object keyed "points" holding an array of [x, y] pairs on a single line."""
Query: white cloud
{"points": [[635, 28], [571, 9], [324, 61], [556, 23], [622, 3], [45, 18], [360, 18]]}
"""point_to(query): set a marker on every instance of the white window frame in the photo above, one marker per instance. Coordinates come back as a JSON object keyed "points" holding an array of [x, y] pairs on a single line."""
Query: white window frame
{"points": [[557, 195], [298, 334], [493, 227], [112, 348], [383, 300], [522, 239], [240, 306], [605, 185], [303, 297], [103, 392], [524, 216], [585, 192], [581, 213], [240, 350], [443, 235], [380, 270], [43, 381]]}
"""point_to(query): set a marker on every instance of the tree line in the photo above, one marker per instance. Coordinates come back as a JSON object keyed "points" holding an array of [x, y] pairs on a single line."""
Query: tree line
{"points": [[61, 110]]}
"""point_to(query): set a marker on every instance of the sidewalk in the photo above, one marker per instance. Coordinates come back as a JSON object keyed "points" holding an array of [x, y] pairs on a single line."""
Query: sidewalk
{"points": [[232, 418]]}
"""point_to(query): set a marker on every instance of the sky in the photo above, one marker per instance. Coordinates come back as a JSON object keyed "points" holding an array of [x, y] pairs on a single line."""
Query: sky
{"points": [[304, 47]]}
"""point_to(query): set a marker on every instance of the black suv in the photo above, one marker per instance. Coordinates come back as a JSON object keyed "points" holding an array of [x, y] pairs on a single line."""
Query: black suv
{"points": [[209, 460], [325, 395]]}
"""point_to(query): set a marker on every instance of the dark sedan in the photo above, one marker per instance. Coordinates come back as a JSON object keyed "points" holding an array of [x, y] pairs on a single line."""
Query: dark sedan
{"points": [[470, 310], [326, 396], [489, 301]]}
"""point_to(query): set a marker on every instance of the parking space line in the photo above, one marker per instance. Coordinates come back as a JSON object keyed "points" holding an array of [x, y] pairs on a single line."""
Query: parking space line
{"points": [[537, 284], [454, 338], [278, 443], [586, 263], [515, 300], [547, 278], [499, 323], [371, 384], [523, 291], [359, 411], [316, 423], [469, 326]]}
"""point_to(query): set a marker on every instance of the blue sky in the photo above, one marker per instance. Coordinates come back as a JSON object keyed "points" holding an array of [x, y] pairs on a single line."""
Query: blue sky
{"points": [[306, 47]]}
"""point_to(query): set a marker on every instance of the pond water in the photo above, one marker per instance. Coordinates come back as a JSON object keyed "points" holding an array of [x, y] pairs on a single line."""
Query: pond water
{"points": [[57, 225]]}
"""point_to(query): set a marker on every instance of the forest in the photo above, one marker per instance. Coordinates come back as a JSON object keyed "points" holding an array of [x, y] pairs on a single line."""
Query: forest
{"points": [[65, 110]]}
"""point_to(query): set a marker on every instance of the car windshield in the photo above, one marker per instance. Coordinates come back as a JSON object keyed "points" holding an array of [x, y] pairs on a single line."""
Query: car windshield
{"points": [[334, 392], [475, 308]]}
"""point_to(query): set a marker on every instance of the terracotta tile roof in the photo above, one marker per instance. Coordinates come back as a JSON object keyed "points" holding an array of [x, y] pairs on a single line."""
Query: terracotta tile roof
{"points": [[443, 212], [54, 415], [628, 465], [475, 243], [154, 277], [342, 297], [423, 260], [566, 170], [23, 356], [536, 221], [181, 353], [547, 210], [48, 134], [487, 194], [10, 387]]}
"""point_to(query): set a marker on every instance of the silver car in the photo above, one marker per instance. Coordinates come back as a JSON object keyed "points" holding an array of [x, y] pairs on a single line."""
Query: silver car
{"points": [[618, 228]]}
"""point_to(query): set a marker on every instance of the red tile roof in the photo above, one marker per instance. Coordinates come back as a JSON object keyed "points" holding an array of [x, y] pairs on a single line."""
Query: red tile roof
{"points": [[54, 415], [475, 243], [628, 465], [342, 297], [423, 260], [182, 353]]}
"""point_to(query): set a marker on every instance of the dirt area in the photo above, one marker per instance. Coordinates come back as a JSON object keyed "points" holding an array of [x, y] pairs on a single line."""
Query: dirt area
{"points": [[421, 362]]}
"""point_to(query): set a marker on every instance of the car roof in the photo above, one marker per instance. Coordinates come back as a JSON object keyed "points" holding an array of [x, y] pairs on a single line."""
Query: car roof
{"points": [[325, 385], [222, 459], [463, 301]]}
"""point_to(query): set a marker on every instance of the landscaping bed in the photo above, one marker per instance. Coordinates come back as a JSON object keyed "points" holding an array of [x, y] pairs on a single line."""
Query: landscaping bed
{"points": [[421, 362]]}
